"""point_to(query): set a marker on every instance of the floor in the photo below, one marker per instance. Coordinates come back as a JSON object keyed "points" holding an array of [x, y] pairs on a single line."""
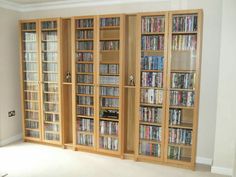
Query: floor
{"points": [[33, 160]]}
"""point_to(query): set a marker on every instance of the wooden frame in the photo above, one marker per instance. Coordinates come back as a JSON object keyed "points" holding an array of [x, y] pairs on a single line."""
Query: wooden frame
{"points": [[138, 72], [199, 14], [123, 86], [21, 22], [59, 57], [75, 84]]}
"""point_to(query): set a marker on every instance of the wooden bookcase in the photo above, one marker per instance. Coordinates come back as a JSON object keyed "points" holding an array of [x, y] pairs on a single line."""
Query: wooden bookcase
{"points": [[183, 87], [30, 71], [50, 78], [151, 85], [110, 84], [42, 81], [120, 85], [85, 64]]}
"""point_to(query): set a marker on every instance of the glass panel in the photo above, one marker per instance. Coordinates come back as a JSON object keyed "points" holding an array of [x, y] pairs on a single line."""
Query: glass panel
{"points": [[182, 86], [31, 79], [50, 69], [85, 81], [151, 83], [109, 83]]}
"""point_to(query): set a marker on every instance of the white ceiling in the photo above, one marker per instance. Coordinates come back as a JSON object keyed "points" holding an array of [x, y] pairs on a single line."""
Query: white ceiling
{"points": [[24, 2], [33, 5]]}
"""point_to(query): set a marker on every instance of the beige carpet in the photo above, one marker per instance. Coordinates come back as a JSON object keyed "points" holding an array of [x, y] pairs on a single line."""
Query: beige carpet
{"points": [[33, 160]]}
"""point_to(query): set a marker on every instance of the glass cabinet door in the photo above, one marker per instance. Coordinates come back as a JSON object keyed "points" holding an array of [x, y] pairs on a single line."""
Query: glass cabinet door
{"points": [[109, 83], [50, 63], [182, 86], [84, 41], [152, 94], [30, 72]]}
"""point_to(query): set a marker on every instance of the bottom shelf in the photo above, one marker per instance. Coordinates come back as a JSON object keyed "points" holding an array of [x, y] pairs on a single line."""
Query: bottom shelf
{"points": [[179, 153]]}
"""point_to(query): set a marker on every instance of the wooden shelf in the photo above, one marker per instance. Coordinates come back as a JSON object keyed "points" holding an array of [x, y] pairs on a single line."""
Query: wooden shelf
{"points": [[180, 145], [183, 32], [150, 123], [149, 104], [109, 96], [153, 33], [106, 135], [84, 105], [84, 28], [182, 126], [182, 107], [109, 119], [84, 116], [84, 40]]}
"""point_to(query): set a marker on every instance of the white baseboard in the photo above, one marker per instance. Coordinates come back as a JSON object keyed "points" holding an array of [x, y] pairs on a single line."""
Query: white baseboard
{"points": [[204, 161], [11, 140], [222, 170]]}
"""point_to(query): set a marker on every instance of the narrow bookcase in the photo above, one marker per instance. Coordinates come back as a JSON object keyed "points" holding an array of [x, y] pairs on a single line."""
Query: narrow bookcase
{"points": [[110, 84], [85, 63], [30, 91], [152, 31], [183, 83], [49, 48]]}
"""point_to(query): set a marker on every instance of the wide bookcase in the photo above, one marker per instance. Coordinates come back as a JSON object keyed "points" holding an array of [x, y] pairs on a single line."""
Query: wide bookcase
{"points": [[124, 85]]}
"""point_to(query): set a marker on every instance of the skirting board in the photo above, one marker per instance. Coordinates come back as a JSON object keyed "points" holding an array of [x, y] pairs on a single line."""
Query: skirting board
{"points": [[204, 161], [222, 170], [11, 140]]}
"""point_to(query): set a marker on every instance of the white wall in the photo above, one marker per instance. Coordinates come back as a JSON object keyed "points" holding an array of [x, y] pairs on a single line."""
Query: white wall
{"points": [[226, 107], [210, 54], [10, 128]]}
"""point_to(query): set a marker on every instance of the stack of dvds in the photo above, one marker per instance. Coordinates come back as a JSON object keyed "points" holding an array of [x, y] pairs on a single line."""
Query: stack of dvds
{"points": [[152, 63], [150, 114], [180, 136], [184, 23], [109, 22], [151, 96], [108, 128], [152, 42], [149, 149], [153, 24], [182, 98], [152, 79], [148, 132], [182, 80]]}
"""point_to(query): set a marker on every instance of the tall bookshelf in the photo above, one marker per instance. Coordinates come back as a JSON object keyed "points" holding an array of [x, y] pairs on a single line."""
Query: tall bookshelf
{"points": [[151, 94], [30, 80], [51, 80], [111, 58], [85, 67], [185, 28]]}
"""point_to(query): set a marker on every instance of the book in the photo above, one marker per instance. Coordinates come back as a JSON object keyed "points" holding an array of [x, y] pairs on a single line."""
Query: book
{"points": [[109, 69], [182, 98], [84, 139], [85, 111], [85, 78], [184, 23], [84, 23], [109, 22], [109, 102], [84, 56], [85, 125], [109, 143], [184, 42], [149, 149], [174, 153], [31, 133], [88, 68], [109, 91], [29, 26], [51, 127], [151, 96], [153, 24], [180, 136], [152, 79], [152, 63], [109, 45], [85, 89], [108, 128], [175, 116], [85, 100], [31, 124], [49, 24], [84, 34], [113, 80], [147, 132], [88, 45], [52, 136], [182, 80], [152, 42], [150, 114]]}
